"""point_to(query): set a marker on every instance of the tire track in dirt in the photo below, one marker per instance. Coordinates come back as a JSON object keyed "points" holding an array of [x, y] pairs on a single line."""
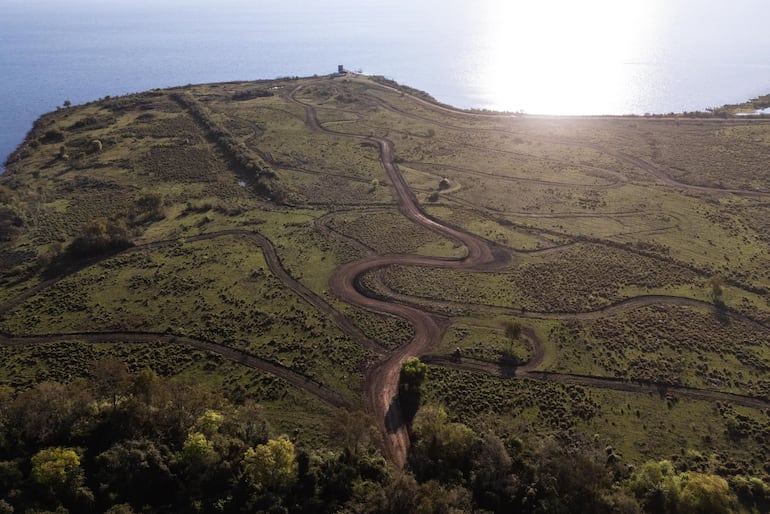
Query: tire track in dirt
{"points": [[429, 167], [637, 162], [381, 384], [271, 258], [627, 304], [298, 380], [668, 180], [382, 379], [274, 264], [527, 372]]}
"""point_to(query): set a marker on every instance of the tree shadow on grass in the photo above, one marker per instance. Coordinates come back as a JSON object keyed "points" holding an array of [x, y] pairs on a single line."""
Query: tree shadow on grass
{"points": [[70, 261], [507, 370], [722, 314], [507, 364], [65, 264]]}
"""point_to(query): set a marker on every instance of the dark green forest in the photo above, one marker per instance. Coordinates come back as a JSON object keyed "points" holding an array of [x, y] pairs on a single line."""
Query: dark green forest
{"points": [[126, 442]]}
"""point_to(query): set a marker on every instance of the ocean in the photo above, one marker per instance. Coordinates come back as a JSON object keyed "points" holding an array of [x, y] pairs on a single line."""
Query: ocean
{"points": [[535, 56]]}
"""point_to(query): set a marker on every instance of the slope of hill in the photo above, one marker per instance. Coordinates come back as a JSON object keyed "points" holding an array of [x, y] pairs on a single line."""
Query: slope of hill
{"points": [[602, 284]]}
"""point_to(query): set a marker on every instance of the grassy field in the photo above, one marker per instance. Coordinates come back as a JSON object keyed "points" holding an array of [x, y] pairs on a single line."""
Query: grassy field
{"points": [[636, 250]]}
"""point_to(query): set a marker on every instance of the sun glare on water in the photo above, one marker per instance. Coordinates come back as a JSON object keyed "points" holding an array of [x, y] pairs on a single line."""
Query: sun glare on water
{"points": [[565, 57]]}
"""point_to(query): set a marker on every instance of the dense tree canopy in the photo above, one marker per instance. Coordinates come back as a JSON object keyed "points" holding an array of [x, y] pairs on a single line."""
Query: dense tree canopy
{"points": [[271, 466], [176, 446]]}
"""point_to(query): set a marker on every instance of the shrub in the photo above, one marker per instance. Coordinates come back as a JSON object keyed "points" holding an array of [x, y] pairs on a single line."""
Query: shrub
{"points": [[99, 237], [11, 223], [53, 135]]}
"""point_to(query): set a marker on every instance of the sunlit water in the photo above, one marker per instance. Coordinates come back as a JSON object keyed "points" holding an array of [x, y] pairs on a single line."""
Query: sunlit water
{"points": [[539, 56]]}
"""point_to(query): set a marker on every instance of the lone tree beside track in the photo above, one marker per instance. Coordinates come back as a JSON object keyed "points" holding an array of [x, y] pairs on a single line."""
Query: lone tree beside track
{"points": [[413, 374], [410, 380], [513, 332]]}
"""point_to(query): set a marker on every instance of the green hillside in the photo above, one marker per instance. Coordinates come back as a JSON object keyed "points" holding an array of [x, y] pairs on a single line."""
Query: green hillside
{"points": [[207, 294]]}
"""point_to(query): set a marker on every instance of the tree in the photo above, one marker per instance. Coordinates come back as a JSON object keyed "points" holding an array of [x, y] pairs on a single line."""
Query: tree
{"points": [[432, 497], [186, 402], [494, 484], [705, 494], [513, 332], [209, 422], [111, 378], [248, 424], [400, 494], [11, 477], [150, 206], [196, 448], [661, 490], [49, 411], [6, 395], [98, 237], [717, 290], [52, 135], [441, 450], [413, 374], [58, 473], [354, 431], [411, 378], [271, 466], [56, 467], [135, 471], [752, 492], [656, 485], [570, 476], [11, 223]]}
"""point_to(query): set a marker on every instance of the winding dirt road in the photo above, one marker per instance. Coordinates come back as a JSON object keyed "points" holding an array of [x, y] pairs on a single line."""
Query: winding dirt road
{"points": [[482, 255], [273, 262], [245, 359], [381, 383], [382, 380], [527, 372], [656, 171]]}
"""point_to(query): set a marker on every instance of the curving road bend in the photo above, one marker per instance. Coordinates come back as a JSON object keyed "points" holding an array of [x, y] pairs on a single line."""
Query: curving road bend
{"points": [[298, 380], [381, 384]]}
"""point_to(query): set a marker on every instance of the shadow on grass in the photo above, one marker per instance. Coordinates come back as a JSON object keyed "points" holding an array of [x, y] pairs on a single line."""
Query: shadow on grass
{"points": [[508, 364], [507, 370], [70, 262], [721, 311]]}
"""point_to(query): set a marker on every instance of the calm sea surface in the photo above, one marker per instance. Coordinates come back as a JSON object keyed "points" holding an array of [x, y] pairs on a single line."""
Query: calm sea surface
{"points": [[539, 56]]}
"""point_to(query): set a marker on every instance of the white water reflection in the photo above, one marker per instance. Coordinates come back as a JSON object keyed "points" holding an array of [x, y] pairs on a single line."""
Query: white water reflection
{"points": [[605, 56], [540, 56], [567, 57]]}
